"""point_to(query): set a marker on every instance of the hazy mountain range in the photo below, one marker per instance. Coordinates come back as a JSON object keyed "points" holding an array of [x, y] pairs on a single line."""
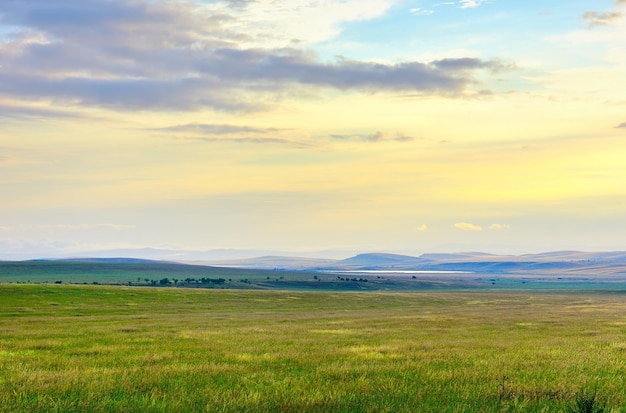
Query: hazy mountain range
{"points": [[560, 261], [565, 262]]}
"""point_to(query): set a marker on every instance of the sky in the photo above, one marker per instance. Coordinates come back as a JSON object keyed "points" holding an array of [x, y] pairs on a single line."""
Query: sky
{"points": [[364, 125]]}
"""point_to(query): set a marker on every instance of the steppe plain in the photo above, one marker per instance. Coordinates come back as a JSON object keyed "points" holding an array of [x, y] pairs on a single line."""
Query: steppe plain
{"points": [[70, 348]]}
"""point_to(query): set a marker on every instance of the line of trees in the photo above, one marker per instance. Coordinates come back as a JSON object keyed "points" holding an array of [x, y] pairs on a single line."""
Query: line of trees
{"points": [[363, 280], [186, 282]]}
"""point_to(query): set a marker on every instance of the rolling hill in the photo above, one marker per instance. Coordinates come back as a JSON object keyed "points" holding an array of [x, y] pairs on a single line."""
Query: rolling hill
{"points": [[559, 262]]}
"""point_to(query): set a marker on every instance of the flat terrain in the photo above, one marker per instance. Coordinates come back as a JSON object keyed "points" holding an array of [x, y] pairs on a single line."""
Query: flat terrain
{"points": [[86, 348]]}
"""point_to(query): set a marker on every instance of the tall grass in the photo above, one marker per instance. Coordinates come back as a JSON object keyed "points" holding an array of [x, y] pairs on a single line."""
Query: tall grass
{"points": [[586, 402], [102, 349]]}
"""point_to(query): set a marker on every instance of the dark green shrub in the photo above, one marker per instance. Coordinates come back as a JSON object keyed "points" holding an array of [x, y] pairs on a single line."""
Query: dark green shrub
{"points": [[586, 402]]}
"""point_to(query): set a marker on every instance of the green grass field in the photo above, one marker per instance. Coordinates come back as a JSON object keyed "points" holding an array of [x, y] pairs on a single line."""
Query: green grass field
{"points": [[151, 274], [101, 349], [191, 276]]}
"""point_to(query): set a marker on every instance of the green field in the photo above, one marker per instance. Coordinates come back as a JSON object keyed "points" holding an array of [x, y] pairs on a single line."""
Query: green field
{"points": [[192, 276], [154, 273], [101, 349]]}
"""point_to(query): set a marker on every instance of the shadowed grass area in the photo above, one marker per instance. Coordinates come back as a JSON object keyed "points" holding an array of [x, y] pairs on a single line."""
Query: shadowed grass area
{"points": [[100, 349]]}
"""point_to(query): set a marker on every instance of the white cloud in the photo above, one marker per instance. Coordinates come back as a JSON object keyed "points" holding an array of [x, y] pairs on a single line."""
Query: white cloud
{"points": [[422, 227], [601, 18], [421, 12], [466, 226], [470, 4], [280, 23]]}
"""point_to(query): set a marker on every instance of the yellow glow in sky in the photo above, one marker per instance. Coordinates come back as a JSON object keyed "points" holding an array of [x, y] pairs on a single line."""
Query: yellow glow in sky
{"points": [[227, 126]]}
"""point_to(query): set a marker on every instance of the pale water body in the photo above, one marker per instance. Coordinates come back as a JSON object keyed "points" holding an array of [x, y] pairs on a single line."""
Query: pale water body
{"points": [[396, 272]]}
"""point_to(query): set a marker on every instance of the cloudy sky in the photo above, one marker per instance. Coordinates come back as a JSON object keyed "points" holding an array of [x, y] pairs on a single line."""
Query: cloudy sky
{"points": [[388, 125]]}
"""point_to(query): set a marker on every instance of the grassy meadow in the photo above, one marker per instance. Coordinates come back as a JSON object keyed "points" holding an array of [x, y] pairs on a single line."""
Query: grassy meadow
{"points": [[192, 276], [153, 273], [101, 349]]}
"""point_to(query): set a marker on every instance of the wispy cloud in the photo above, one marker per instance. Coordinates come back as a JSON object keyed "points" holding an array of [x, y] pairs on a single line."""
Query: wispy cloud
{"points": [[470, 4], [225, 133], [215, 129], [378, 136], [422, 228], [621, 125], [604, 18], [470, 63], [466, 226], [596, 18], [421, 12], [252, 140], [498, 227]]}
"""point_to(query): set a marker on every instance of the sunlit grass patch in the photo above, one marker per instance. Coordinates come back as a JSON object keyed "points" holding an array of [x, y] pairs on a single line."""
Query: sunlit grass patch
{"points": [[374, 352], [335, 331]]}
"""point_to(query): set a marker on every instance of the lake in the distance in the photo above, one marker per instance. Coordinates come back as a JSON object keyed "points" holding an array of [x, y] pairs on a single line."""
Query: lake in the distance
{"points": [[396, 272]]}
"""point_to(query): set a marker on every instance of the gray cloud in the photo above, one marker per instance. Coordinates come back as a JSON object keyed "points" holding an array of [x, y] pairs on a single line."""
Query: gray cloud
{"points": [[124, 93], [470, 63], [293, 66], [253, 140], [223, 133], [377, 136], [623, 124], [215, 129], [596, 18], [147, 55]]}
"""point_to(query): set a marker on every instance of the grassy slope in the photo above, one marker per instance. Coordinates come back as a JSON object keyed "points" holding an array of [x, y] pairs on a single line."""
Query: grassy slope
{"points": [[137, 273], [100, 349], [122, 273]]}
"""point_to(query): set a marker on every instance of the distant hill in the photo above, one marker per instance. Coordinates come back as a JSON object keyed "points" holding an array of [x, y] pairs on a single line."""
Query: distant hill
{"points": [[159, 254], [561, 269], [459, 256], [553, 262], [574, 262], [272, 263], [119, 260], [124, 270], [379, 260]]}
